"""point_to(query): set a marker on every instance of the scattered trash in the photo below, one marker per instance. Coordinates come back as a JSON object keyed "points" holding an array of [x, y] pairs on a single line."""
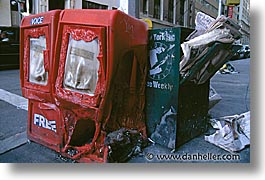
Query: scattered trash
{"points": [[207, 48], [124, 144], [64, 159], [228, 68], [233, 132], [203, 21], [165, 132], [214, 97]]}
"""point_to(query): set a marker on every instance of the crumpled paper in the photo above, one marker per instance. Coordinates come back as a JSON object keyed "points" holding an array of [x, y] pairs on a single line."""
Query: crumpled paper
{"points": [[37, 74], [81, 68], [233, 132], [207, 48]]}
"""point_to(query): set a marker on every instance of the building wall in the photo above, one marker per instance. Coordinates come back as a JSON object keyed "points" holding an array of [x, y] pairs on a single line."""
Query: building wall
{"points": [[111, 4], [163, 13], [209, 7], [168, 12], [244, 13], [5, 17], [236, 14]]}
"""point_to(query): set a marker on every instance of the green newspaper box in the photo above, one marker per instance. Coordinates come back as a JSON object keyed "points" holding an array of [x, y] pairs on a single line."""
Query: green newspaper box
{"points": [[162, 85], [175, 113]]}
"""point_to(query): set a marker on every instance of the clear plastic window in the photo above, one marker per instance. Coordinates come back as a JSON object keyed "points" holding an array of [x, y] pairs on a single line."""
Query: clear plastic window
{"points": [[81, 68], [37, 73]]}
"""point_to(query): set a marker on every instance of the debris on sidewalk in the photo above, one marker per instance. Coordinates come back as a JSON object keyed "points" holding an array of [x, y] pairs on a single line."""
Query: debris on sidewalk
{"points": [[207, 48], [124, 144], [228, 68], [214, 97], [233, 132], [165, 131]]}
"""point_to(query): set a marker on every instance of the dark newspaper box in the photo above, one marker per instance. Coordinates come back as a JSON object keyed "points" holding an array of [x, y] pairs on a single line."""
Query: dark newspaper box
{"points": [[175, 113]]}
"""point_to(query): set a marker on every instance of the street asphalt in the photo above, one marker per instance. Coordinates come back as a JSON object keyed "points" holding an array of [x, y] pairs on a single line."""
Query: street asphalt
{"points": [[233, 88]]}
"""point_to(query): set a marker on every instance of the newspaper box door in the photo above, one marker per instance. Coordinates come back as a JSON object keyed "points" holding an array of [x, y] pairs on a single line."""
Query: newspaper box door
{"points": [[80, 77], [36, 62], [38, 33]]}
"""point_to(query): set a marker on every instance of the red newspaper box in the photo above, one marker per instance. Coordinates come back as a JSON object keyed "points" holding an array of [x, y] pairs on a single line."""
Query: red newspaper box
{"points": [[37, 37], [100, 80]]}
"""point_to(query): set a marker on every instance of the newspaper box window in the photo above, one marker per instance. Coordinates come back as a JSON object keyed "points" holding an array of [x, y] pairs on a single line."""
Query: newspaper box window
{"points": [[81, 57], [81, 68], [36, 58], [37, 74]]}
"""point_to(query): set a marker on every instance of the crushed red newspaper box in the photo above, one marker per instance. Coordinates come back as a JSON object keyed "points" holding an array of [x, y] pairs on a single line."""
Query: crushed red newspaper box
{"points": [[92, 83]]}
